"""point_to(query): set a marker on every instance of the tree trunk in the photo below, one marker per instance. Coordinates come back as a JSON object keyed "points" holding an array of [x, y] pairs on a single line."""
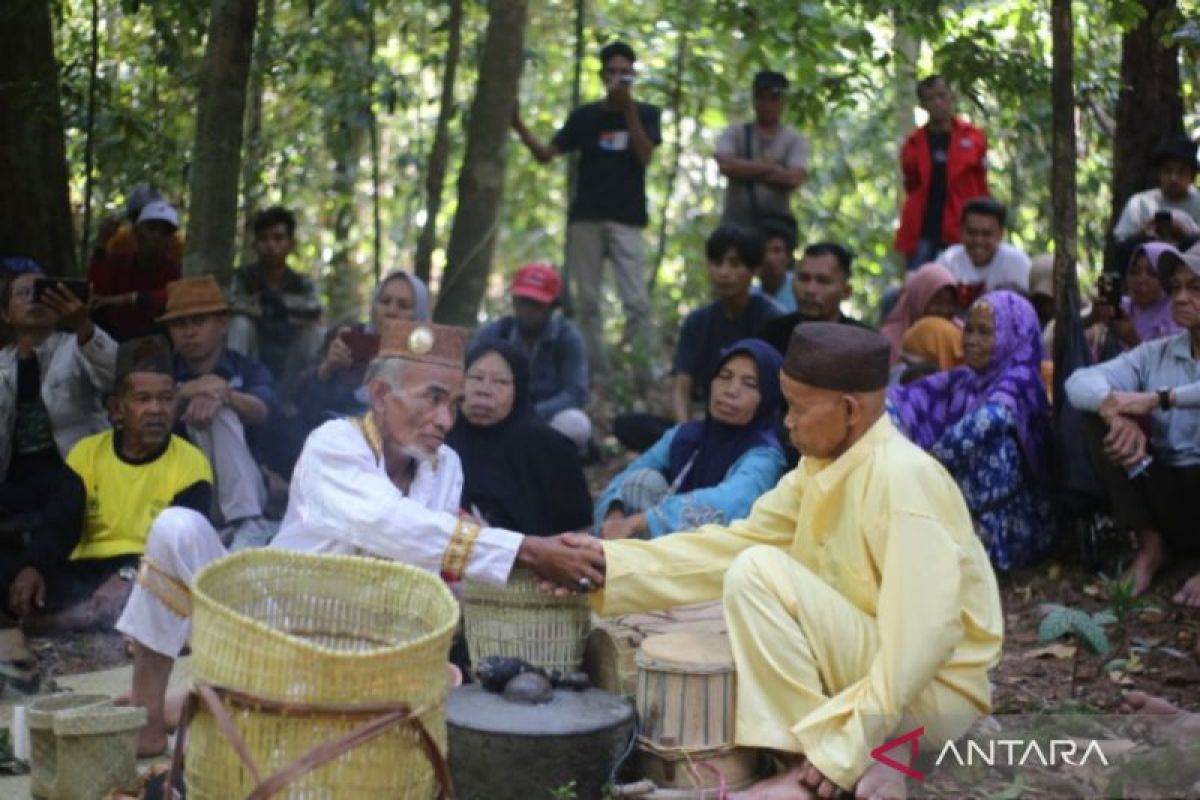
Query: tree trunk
{"points": [[481, 179], [676, 156], [216, 157], [1149, 107], [439, 153], [252, 186], [567, 295], [35, 210], [1062, 173], [906, 49]]}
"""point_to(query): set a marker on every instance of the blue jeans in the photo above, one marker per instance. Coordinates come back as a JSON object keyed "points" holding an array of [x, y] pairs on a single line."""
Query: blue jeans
{"points": [[927, 250]]}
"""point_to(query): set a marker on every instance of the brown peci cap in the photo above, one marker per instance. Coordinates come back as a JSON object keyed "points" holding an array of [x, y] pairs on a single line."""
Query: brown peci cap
{"points": [[190, 297], [844, 358], [424, 342]]}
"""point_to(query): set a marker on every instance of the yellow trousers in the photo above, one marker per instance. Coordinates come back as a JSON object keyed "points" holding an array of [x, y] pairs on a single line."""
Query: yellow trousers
{"points": [[796, 643]]}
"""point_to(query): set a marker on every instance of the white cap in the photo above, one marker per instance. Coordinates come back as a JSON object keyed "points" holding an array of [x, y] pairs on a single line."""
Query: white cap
{"points": [[159, 210], [1191, 257]]}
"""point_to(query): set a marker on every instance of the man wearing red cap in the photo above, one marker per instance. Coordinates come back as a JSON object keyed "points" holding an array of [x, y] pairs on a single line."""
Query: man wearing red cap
{"points": [[558, 385]]}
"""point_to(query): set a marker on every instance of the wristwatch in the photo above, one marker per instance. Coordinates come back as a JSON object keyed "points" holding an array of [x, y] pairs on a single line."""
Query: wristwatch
{"points": [[1164, 398]]}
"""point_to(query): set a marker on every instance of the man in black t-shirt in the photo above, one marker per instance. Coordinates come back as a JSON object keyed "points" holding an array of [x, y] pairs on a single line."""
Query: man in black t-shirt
{"points": [[615, 138]]}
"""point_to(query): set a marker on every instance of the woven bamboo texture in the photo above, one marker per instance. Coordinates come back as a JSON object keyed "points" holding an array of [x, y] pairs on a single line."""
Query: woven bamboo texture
{"points": [[519, 621], [43, 746], [97, 751], [320, 631]]}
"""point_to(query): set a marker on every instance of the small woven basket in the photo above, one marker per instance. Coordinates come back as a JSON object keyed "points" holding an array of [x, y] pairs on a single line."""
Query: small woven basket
{"points": [[43, 746], [97, 751], [318, 631], [520, 621]]}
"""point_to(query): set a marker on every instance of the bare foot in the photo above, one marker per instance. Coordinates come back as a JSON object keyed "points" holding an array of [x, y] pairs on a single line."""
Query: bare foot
{"points": [[172, 707], [784, 786], [881, 782], [817, 783], [151, 741], [1138, 702], [1151, 555], [1189, 595]]}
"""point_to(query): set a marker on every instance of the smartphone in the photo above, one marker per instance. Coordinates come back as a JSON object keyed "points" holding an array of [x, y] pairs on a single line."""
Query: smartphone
{"points": [[363, 346], [1164, 226], [1110, 288], [75, 286]]}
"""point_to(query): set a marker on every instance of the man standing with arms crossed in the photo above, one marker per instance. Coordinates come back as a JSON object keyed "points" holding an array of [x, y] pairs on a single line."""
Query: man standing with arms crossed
{"points": [[615, 138]]}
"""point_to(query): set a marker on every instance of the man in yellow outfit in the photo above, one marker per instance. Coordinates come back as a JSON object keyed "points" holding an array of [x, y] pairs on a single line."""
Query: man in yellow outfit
{"points": [[859, 601]]}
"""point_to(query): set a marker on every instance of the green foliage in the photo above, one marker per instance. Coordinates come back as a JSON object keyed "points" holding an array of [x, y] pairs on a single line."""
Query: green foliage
{"points": [[1123, 603], [564, 792], [323, 88], [1063, 620]]}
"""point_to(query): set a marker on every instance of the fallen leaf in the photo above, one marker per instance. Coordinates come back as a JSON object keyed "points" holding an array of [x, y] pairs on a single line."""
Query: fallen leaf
{"points": [[1056, 650], [1148, 642], [1135, 664], [1055, 572], [1152, 615], [1093, 590], [1116, 676]]}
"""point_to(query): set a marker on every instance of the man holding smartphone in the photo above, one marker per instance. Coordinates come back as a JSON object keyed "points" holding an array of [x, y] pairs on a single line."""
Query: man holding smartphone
{"points": [[1170, 212], [615, 138]]}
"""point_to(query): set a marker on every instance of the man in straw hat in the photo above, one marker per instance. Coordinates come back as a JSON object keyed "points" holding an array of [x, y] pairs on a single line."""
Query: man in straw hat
{"points": [[859, 601], [383, 485], [223, 397]]}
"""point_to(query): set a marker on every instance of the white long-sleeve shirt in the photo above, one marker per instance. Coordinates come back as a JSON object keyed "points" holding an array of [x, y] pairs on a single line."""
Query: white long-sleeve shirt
{"points": [[342, 501]]}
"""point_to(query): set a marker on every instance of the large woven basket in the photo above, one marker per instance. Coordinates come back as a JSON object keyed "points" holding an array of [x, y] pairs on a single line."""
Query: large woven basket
{"points": [[520, 621], [97, 751], [318, 634], [43, 746]]}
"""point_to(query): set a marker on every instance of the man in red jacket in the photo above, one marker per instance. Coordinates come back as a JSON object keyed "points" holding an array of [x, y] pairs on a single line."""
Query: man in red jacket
{"points": [[944, 166]]}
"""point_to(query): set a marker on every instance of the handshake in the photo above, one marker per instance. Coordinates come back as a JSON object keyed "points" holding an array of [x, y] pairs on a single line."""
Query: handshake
{"points": [[567, 563]]}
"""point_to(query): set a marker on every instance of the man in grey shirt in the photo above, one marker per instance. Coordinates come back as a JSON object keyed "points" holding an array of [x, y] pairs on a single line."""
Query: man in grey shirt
{"points": [[1159, 382], [764, 160]]}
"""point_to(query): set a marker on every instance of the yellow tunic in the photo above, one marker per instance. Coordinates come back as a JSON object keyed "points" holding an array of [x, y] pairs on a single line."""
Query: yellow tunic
{"points": [[914, 613]]}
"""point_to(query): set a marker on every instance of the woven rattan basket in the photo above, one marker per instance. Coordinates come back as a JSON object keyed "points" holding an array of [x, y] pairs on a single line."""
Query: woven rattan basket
{"points": [[520, 621], [334, 638], [43, 747], [97, 751]]}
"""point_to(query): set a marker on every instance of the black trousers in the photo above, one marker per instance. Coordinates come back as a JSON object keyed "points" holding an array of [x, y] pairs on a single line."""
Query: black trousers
{"points": [[640, 431], [1163, 498], [68, 582]]}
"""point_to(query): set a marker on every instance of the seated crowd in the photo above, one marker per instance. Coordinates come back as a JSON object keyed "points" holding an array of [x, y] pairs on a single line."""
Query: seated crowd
{"points": [[150, 427]]}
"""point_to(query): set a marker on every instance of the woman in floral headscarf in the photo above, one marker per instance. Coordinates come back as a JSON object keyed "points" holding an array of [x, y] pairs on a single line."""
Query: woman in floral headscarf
{"points": [[989, 424]]}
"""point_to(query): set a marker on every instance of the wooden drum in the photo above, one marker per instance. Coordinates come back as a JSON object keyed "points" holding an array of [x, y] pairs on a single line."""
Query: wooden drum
{"points": [[686, 706]]}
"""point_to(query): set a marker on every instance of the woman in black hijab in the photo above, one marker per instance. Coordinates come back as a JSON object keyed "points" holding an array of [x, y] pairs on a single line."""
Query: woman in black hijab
{"points": [[518, 473]]}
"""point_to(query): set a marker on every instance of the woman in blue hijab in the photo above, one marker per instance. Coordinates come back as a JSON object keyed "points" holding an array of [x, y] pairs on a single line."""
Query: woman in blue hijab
{"points": [[710, 470]]}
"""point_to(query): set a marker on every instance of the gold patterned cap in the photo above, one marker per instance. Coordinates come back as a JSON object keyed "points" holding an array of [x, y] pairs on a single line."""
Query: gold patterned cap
{"points": [[425, 342]]}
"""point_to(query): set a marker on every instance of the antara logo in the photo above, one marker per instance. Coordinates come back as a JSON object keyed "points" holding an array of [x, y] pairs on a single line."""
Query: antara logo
{"points": [[993, 752]]}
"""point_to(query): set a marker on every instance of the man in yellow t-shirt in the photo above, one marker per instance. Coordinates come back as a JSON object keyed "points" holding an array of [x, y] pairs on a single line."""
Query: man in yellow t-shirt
{"points": [[113, 486]]}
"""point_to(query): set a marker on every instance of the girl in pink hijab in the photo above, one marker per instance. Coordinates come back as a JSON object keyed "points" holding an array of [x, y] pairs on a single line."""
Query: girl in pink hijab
{"points": [[930, 292]]}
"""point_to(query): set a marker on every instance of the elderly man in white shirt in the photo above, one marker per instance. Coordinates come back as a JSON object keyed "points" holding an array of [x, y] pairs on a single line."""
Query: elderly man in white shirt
{"points": [[383, 485]]}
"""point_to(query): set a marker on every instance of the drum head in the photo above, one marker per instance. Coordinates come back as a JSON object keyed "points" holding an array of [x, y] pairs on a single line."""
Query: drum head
{"points": [[687, 652]]}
